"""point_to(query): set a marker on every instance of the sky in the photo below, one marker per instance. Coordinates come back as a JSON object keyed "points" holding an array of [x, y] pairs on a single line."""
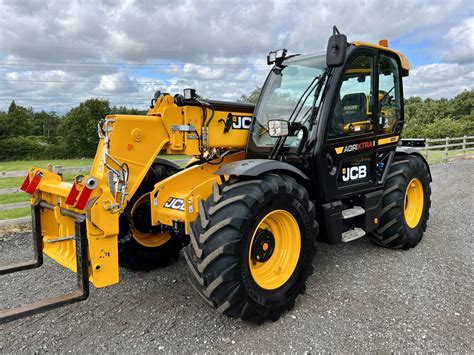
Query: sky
{"points": [[55, 54]]}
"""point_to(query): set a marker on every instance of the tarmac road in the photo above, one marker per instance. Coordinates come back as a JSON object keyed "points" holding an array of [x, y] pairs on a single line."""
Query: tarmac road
{"points": [[361, 297]]}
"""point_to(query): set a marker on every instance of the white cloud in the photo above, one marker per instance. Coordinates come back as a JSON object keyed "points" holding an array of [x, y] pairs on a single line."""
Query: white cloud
{"points": [[461, 39], [118, 83], [196, 71], [60, 51], [439, 80]]}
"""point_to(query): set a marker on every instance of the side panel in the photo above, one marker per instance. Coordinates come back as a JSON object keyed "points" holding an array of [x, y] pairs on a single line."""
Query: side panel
{"points": [[177, 197], [226, 129]]}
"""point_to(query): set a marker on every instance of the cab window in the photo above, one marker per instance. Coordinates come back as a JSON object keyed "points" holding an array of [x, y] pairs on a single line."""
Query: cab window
{"points": [[352, 110], [389, 95]]}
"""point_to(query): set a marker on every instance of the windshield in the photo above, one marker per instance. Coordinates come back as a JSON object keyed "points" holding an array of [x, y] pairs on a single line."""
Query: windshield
{"points": [[288, 91]]}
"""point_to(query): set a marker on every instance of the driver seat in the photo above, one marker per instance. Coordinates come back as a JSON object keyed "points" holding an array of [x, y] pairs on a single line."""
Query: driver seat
{"points": [[353, 107]]}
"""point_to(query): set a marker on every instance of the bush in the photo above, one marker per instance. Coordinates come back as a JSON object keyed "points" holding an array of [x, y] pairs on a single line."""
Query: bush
{"points": [[21, 148]]}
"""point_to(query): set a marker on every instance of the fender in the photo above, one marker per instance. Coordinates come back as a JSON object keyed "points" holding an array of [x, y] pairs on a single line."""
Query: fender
{"points": [[256, 167], [400, 150]]}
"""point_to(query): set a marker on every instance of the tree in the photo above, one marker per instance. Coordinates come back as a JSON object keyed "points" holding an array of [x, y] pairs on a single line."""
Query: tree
{"points": [[18, 121], [79, 127], [252, 98], [464, 103], [439, 118], [3, 124], [46, 124], [123, 110]]}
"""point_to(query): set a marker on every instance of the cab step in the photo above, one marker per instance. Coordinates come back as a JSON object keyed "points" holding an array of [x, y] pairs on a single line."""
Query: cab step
{"points": [[352, 212], [352, 234]]}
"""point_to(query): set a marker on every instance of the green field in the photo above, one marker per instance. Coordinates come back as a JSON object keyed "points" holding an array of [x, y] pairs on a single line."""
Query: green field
{"points": [[65, 163], [24, 165], [13, 198], [437, 156], [16, 182], [19, 212]]}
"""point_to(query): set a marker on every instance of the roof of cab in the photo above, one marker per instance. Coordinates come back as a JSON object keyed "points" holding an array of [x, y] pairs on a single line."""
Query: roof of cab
{"points": [[403, 60]]}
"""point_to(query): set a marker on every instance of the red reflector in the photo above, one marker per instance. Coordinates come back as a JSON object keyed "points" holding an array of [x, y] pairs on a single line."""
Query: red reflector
{"points": [[71, 198], [25, 184], [31, 186], [83, 198], [84, 194]]}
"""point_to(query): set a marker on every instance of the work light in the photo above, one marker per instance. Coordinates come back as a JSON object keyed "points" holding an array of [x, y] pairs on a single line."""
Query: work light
{"points": [[276, 56], [189, 94], [278, 128]]}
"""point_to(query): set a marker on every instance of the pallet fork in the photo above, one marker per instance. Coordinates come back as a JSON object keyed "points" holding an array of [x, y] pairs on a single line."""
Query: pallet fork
{"points": [[79, 294]]}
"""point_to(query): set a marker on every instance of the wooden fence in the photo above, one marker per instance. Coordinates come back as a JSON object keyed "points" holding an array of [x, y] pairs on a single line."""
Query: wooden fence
{"points": [[445, 149]]}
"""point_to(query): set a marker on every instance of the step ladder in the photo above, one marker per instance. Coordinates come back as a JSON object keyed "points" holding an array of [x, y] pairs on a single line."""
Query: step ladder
{"points": [[352, 212], [354, 233]]}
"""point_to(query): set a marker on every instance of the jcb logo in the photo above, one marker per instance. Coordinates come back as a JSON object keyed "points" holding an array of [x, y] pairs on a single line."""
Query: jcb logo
{"points": [[241, 122], [354, 173], [175, 204]]}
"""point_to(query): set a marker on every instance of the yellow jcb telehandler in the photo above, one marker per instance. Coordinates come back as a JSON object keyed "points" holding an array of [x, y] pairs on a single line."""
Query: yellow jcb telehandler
{"points": [[318, 158]]}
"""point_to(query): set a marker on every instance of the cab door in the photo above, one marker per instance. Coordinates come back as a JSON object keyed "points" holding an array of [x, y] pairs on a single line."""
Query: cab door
{"points": [[347, 157]]}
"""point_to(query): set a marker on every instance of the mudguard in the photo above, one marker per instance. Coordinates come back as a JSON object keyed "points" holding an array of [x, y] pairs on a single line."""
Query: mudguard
{"points": [[412, 151], [256, 167]]}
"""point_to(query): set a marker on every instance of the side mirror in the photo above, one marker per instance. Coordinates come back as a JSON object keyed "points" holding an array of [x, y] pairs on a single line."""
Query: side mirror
{"points": [[336, 51]]}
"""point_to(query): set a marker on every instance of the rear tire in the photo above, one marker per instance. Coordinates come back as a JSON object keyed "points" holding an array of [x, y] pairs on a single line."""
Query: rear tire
{"points": [[403, 220], [222, 255], [137, 238]]}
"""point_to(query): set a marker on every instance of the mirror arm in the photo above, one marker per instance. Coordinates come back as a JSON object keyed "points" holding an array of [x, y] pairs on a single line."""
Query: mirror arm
{"points": [[303, 140]]}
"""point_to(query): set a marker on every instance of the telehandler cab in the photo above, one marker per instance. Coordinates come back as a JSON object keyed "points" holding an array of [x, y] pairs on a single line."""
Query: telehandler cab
{"points": [[318, 158]]}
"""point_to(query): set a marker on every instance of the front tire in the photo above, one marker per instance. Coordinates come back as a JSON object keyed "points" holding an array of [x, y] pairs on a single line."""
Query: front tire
{"points": [[406, 204], [252, 247], [141, 245]]}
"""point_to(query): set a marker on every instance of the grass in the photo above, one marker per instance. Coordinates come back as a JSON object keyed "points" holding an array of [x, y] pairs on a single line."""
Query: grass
{"points": [[24, 165], [176, 157], [19, 212], [437, 156], [65, 163], [16, 182], [13, 198], [11, 182]]}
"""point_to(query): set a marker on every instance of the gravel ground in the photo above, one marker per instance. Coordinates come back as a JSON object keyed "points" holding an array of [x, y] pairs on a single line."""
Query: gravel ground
{"points": [[361, 297]]}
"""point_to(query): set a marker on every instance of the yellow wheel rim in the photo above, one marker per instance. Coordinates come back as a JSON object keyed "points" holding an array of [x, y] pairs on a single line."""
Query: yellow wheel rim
{"points": [[283, 241], [414, 203], [149, 240]]}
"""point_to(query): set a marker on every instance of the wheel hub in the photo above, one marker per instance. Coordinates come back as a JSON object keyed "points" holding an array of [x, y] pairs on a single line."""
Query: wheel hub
{"points": [[142, 217], [274, 249], [143, 232], [414, 203], [263, 246]]}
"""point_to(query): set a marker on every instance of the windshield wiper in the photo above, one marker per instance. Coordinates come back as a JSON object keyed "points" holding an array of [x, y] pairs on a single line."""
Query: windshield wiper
{"points": [[281, 140], [314, 111]]}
